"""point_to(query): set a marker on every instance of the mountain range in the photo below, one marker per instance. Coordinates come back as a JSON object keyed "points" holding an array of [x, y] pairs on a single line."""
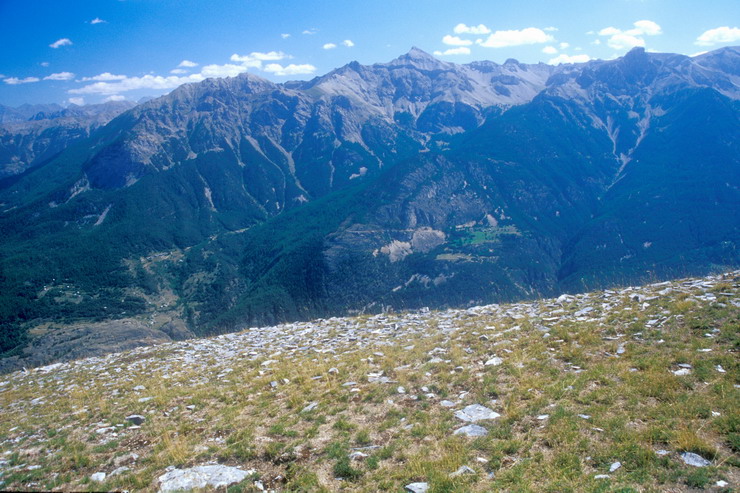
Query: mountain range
{"points": [[237, 202]]}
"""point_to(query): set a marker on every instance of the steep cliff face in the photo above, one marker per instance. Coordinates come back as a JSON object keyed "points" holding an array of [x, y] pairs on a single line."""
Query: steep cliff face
{"points": [[416, 182]]}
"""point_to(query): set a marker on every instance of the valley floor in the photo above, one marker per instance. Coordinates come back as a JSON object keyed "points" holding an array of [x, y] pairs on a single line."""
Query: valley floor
{"points": [[615, 390]]}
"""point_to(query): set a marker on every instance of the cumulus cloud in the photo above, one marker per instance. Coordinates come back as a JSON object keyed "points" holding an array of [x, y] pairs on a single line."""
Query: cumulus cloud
{"points": [[14, 81], [563, 58], [329, 46], [515, 37], [114, 97], [564, 45], [226, 70], [550, 29], [44, 64], [718, 35], [158, 82], [465, 29], [285, 35], [98, 20], [60, 76], [461, 50], [311, 31], [78, 101], [348, 43], [105, 76], [456, 41], [60, 42], [549, 50], [626, 39], [256, 58], [292, 69], [111, 85]]}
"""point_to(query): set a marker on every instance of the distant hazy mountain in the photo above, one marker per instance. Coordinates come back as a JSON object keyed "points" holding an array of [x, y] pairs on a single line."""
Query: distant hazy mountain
{"points": [[32, 134], [417, 182]]}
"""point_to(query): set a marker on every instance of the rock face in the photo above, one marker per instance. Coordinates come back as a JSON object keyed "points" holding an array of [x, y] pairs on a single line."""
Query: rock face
{"points": [[214, 476], [406, 184]]}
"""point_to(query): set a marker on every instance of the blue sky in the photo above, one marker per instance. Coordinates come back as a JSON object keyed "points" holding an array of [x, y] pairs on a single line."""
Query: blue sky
{"points": [[89, 51]]}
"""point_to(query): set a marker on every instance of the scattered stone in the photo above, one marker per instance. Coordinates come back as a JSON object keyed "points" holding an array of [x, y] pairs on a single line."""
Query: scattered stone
{"points": [[695, 460], [682, 372], [446, 403], [495, 361], [310, 407], [136, 419], [401, 390], [472, 431], [721, 484], [615, 466], [462, 470], [199, 477], [98, 477], [333, 371], [584, 416], [476, 412], [417, 487], [120, 470], [720, 369], [543, 417], [602, 476], [146, 399], [662, 452], [358, 456]]}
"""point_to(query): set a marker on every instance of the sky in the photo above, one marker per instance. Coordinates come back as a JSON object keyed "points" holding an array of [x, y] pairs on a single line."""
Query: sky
{"points": [[91, 51]]}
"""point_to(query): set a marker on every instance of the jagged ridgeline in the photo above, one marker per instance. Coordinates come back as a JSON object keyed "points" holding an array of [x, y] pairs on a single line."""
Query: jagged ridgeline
{"points": [[236, 202]]}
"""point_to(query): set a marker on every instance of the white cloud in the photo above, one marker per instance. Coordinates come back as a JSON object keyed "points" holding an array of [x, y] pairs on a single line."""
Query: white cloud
{"points": [[563, 45], [292, 69], [724, 34], [60, 42], [108, 84], [187, 63], [226, 70], [133, 83], [44, 64], [527, 36], [596, 42], [699, 53], [648, 28], [622, 41], [630, 38], [77, 101], [348, 43], [329, 46], [98, 20], [563, 58], [178, 71], [285, 35], [549, 50], [461, 50], [609, 31], [60, 76], [550, 29], [456, 41], [465, 29], [114, 97], [105, 76], [13, 81], [311, 31], [256, 58]]}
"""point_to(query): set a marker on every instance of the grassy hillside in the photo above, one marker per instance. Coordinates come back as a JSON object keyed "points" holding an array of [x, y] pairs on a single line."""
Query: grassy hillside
{"points": [[596, 392]]}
